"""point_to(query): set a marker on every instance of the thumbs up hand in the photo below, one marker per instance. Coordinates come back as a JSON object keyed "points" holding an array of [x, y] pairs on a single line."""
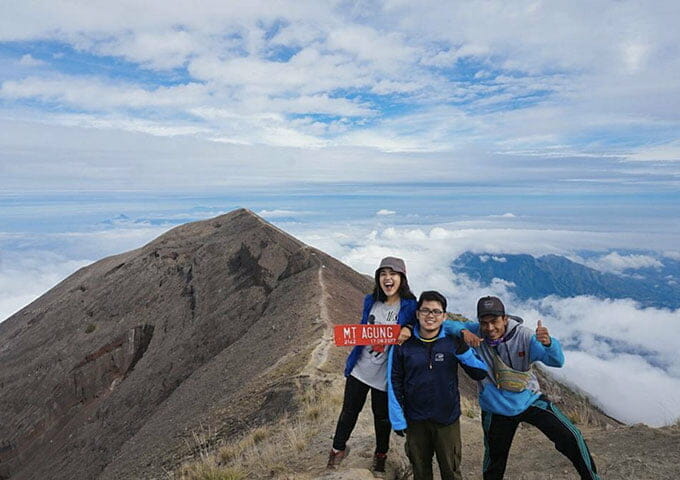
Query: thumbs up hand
{"points": [[542, 334]]}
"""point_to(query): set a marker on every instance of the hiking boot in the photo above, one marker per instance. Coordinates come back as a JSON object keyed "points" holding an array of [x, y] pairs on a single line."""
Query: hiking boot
{"points": [[334, 458], [379, 464]]}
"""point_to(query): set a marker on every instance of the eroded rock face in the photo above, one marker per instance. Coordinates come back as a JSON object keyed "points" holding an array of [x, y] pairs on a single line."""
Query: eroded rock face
{"points": [[100, 371], [108, 373]]}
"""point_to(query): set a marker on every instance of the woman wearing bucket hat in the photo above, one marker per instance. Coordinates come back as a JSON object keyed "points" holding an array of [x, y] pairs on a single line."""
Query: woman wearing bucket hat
{"points": [[391, 302]]}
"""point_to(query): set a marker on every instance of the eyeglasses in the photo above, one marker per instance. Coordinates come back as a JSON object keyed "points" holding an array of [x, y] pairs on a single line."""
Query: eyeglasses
{"points": [[426, 311]]}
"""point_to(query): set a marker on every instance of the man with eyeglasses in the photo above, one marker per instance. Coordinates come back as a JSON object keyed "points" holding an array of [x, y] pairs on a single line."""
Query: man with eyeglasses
{"points": [[424, 402]]}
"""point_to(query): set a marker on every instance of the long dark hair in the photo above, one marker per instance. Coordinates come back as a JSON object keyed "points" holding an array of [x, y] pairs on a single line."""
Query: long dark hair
{"points": [[403, 292]]}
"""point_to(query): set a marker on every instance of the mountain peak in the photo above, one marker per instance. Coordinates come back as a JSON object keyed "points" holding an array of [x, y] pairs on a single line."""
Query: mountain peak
{"points": [[127, 356]]}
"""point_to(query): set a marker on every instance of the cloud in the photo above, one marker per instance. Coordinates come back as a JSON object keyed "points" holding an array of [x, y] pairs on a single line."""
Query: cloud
{"points": [[281, 213], [669, 152], [674, 255], [613, 350], [28, 60], [95, 94], [25, 277], [617, 263], [393, 77], [385, 212]]}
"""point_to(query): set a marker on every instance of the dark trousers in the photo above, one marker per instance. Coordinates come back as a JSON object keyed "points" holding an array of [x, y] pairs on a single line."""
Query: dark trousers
{"points": [[499, 431], [355, 397], [424, 439]]}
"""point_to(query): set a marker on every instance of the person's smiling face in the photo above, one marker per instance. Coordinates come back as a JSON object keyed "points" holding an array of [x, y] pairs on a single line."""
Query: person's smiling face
{"points": [[430, 317], [390, 281], [493, 327]]}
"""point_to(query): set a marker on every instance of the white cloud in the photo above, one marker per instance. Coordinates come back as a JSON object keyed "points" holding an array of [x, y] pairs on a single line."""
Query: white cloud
{"points": [[614, 262], [28, 60], [674, 255], [669, 152], [23, 278], [649, 395], [393, 56], [385, 212], [279, 213], [613, 349], [93, 93]]}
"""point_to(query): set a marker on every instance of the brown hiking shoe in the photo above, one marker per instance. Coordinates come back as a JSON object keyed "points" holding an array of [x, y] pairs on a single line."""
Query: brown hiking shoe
{"points": [[334, 458], [379, 465]]}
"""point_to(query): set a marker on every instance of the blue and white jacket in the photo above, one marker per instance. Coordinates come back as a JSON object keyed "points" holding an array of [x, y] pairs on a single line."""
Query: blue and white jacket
{"points": [[518, 350], [422, 379], [407, 315]]}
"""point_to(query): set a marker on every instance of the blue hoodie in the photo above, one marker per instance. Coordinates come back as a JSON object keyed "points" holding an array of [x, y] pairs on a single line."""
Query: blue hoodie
{"points": [[518, 350], [422, 379]]}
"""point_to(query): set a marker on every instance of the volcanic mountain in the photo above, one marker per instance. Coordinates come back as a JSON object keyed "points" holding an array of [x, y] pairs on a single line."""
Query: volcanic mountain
{"points": [[203, 338], [108, 373]]}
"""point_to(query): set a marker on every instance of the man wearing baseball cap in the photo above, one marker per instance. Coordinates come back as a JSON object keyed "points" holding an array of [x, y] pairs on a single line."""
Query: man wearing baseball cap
{"points": [[510, 394]]}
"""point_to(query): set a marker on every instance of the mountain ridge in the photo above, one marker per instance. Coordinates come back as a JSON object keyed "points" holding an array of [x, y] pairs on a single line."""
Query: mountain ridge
{"points": [[537, 277], [235, 274]]}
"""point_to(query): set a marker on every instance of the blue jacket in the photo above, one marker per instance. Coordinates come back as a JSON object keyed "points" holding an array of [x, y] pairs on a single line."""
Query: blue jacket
{"points": [[422, 380], [407, 315], [519, 350]]}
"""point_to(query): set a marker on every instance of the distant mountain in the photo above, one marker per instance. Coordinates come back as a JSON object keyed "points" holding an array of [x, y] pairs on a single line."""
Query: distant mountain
{"points": [[537, 277]]}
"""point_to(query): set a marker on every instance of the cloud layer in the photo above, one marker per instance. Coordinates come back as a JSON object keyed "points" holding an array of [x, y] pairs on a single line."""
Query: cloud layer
{"points": [[533, 88], [618, 353]]}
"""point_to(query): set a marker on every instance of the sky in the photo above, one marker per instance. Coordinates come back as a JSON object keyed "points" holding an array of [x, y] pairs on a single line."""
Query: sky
{"points": [[365, 128], [124, 95]]}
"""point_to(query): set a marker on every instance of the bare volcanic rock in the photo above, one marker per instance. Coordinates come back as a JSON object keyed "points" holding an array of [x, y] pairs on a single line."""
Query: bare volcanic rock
{"points": [[108, 374]]}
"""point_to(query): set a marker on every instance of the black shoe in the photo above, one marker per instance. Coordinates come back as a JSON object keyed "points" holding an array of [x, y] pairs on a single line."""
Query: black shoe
{"points": [[379, 464]]}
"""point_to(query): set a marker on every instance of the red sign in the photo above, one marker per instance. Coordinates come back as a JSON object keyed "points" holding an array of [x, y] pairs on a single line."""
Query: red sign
{"points": [[358, 334]]}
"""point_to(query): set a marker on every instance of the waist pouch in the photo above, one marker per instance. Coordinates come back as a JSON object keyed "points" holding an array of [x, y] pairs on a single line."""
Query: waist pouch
{"points": [[508, 378]]}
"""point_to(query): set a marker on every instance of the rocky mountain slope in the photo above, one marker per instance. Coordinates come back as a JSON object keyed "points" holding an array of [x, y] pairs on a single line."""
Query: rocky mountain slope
{"points": [[108, 374], [207, 354]]}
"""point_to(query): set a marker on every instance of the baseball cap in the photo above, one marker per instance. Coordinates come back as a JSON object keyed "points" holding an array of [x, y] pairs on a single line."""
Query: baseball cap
{"points": [[396, 264], [490, 306]]}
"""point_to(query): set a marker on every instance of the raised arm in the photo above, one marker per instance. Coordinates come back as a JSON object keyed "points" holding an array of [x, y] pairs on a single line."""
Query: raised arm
{"points": [[544, 348]]}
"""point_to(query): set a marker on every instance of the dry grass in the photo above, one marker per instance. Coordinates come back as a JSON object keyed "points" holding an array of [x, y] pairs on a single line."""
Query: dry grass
{"points": [[209, 471], [266, 450], [470, 407], [581, 413]]}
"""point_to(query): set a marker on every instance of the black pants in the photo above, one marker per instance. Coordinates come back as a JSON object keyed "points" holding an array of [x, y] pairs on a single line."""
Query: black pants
{"points": [[355, 397], [499, 431]]}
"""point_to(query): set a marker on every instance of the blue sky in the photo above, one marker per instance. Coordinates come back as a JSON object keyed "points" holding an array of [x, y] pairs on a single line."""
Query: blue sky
{"points": [[365, 128], [526, 93]]}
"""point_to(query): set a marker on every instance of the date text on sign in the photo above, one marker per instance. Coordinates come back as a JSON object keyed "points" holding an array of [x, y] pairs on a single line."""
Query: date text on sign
{"points": [[357, 334]]}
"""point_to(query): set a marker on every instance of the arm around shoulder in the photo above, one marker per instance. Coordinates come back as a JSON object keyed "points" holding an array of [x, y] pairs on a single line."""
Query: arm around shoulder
{"points": [[453, 328]]}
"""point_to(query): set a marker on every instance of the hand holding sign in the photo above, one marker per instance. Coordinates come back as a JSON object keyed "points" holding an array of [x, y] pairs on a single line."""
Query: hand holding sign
{"points": [[404, 334], [542, 334]]}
